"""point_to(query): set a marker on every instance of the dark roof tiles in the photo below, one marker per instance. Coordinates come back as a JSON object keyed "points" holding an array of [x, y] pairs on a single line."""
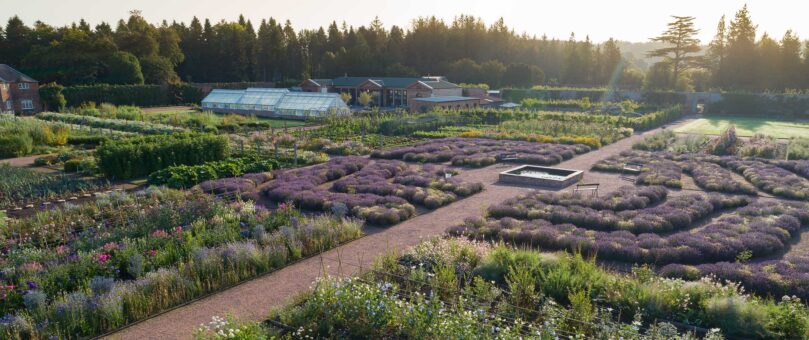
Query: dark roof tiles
{"points": [[9, 74]]}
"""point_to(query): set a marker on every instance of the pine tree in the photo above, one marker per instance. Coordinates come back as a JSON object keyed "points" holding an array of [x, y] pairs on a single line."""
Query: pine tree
{"points": [[741, 52], [790, 61], [717, 51], [769, 55], [680, 55]]}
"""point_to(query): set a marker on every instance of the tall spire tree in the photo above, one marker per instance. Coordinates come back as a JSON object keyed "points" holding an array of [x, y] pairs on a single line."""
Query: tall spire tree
{"points": [[741, 57], [717, 51], [681, 36]]}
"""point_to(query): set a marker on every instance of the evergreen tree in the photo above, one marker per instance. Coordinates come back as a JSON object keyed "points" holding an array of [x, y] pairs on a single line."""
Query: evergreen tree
{"points": [[717, 51], [683, 45], [789, 63], [741, 52], [769, 55], [17, 42]]}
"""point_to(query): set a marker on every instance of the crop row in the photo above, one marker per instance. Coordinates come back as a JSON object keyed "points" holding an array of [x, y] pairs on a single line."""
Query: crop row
{"points": [[20, 186], [788, 276], [677, 213], [476, 152], [712, 177], [762, 228], [381, 192], [772, 179], [114, 124]]}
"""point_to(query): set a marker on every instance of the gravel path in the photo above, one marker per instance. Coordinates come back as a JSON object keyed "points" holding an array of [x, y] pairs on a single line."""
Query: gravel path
{"points": [[27, 161], [253, 299]]}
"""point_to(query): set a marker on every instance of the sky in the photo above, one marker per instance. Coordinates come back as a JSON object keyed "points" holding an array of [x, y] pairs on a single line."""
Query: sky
{"points": [[629, 20]]}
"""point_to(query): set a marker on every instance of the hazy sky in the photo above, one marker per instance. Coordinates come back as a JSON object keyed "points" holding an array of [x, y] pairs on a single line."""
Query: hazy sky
{"points": [[633, 20]]}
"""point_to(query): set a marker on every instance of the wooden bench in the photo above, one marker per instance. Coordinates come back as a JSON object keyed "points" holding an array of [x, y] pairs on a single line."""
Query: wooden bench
{"points": [[630, 170], [505, 157], [591, 187]]}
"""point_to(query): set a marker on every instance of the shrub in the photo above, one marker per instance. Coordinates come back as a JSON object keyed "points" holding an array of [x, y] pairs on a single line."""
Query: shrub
{"points": [[15, 145], [186, 176], [140, 156]]}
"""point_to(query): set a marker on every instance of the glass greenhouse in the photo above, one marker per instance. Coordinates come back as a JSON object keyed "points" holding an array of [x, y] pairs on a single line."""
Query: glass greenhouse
{"points": [[272, 102]]}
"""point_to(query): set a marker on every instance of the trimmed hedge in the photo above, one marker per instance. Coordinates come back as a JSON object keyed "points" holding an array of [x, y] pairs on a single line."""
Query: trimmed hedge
{"points": [[761, 105], [138, 95], [141, 156]]}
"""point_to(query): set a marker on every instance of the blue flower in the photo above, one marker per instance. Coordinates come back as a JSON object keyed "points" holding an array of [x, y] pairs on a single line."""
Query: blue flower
{"points": [[32, 285]]}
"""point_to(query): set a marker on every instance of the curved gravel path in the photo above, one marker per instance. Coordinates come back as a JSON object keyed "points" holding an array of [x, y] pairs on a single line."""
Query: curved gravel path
{"points": [[253, 299]]}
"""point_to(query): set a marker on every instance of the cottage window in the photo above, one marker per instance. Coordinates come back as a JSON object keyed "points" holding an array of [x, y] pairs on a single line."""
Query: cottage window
{"points": [[23, 86], [9, 106], [27, 104]]}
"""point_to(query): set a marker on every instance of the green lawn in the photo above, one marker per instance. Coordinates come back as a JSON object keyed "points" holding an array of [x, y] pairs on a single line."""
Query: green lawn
{"points": [[746, 126]]}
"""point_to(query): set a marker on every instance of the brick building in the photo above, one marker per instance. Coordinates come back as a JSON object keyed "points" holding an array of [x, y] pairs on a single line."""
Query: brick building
{"points": [[19, 93], [388, 92], [426, 104]]}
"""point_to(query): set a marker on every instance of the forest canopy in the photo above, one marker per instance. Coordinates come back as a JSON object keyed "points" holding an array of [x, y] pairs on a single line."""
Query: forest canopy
{"points": [[467, 50]]}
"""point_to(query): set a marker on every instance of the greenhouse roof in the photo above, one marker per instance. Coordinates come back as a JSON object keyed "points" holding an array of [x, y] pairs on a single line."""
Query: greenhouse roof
{"points": [[223, 96], [259, 96], [310, 101]]}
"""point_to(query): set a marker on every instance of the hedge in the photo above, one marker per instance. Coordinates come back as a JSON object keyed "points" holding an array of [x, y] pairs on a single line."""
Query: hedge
{"points": [[658, 98], [140, 156], [754, 104], [138, 95]]}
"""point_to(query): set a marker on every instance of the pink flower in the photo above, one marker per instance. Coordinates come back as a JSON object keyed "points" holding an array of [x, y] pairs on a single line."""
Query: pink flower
{"points": [[63, 249], [151, 252], [102, 257], [32, 266], [110, 246], [160, 233], [282, 206]]}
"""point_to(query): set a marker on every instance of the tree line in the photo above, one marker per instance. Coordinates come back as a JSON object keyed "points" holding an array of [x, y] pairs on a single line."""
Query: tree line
{"points": [[465, 49]]}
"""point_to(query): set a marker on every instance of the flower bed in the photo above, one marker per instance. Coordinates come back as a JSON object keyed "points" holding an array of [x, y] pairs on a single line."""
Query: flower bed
{"points": [[762, 228], [478, 152], [656, 167], [20, 186], [114, 124], [634, 211], [800, 167], [382, 192], [451, 288], [783, 277], [713, 177], [425, 185], [661, 172], [772, 179], [89, 269]]}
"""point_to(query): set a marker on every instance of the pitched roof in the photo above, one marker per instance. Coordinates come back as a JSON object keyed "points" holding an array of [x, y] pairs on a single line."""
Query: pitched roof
{"points": [[444, 99], [9, 74], [394, 82], [322, 82], [441, 84]]}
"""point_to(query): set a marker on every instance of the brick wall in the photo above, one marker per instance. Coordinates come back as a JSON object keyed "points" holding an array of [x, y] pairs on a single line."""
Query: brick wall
{"points": [[31, 93]]}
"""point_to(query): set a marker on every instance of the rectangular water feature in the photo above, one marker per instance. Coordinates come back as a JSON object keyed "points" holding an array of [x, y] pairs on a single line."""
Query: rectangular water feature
{"points": [[541, 176]]}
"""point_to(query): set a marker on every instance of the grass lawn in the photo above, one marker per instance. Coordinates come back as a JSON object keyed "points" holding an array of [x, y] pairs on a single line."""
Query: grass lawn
{"points": [[746, 126]]}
